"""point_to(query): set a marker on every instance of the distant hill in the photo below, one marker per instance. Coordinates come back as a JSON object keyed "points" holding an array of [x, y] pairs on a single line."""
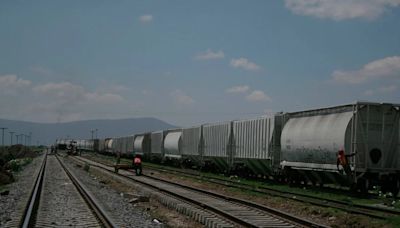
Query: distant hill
{"points": [[47, 133]]}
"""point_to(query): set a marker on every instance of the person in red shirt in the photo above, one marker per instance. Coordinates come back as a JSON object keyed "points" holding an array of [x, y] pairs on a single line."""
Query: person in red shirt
{"points": [[137, 164], [343, 161]]}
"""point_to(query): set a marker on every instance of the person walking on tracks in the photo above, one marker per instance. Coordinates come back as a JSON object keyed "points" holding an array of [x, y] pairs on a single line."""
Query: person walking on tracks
{"points": [[137, 164], [342, 160]]}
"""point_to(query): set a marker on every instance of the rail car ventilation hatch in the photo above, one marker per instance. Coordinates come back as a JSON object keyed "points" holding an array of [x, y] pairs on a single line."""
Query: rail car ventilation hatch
{"points": [[375, 155]]}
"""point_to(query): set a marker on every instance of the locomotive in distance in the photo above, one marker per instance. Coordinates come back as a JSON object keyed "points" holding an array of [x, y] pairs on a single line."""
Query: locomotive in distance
{"points": [[296, 147]]}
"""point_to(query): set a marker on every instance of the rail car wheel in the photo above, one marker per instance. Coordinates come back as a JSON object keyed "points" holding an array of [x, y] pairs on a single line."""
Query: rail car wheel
{"points": [[363, 185], [395, 187]]}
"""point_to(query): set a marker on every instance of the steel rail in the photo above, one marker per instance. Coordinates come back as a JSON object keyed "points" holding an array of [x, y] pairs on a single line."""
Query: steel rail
{"points": [[99, 212], [28, 216]]}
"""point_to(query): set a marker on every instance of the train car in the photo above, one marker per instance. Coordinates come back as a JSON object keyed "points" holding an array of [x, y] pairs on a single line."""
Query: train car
{"points": [[129, 145], [310, 142], [108, 144], [62, 144], [217, 153], [142, 145], [101, 145], [256, 145], [192, 146], [173, 145], [157, 139], [118, 146]]}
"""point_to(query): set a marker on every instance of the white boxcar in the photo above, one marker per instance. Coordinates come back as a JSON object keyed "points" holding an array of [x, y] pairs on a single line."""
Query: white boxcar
{"points": [[192, 144], [254, 144], [216, 145], [173, 144], [311, 140]]}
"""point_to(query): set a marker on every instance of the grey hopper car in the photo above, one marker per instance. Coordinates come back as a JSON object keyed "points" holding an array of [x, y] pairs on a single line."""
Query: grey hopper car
{"points": [[310, 142], [192, 146], [217, 153], [173, 145], [256, 144], [156, 152], [142, 145]]}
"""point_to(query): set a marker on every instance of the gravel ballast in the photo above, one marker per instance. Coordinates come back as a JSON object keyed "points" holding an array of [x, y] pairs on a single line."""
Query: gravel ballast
{"points": [[13, 204], [116, 203]]}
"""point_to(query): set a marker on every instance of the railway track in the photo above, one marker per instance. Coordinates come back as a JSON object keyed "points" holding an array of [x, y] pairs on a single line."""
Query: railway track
{"points": [[371, 211], [241, 212], [59, 199]]}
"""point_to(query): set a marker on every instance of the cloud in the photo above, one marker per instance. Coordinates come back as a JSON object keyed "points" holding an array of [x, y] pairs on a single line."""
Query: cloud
{"points": [[257, 95], [106, 98], [181, 98], [238, 89], [209, 54], [245, 64], [378, 69], [11, 84], [56, 101], [252, 96], [382, 90], [388, 89], [68, 93], [12, 81], [146, 18], [341, 9]]}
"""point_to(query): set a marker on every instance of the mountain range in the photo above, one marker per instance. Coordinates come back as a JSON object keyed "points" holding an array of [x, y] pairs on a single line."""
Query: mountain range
{"points": [[47, 133]]}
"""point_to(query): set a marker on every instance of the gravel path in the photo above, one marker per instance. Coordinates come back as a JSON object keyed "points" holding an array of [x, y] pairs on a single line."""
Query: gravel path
{"points": [[11, 205], [118, 206]]}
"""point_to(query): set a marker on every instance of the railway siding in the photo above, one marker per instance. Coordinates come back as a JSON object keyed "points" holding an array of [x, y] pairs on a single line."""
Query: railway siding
{"points": [[195, 212], [237, 212]]}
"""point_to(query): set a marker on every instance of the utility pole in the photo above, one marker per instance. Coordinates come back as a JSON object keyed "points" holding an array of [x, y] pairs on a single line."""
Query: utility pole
{"points": [[96, 132], [2, 137], [11, 137], [30, 138], [92, 136]]}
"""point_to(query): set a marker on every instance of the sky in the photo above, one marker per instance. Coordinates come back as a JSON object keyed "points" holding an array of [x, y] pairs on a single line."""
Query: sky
{"points": [[190, 62]]}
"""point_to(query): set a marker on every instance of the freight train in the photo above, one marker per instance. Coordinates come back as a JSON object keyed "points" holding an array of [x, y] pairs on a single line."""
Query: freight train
{"points": [[297, 147]]}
